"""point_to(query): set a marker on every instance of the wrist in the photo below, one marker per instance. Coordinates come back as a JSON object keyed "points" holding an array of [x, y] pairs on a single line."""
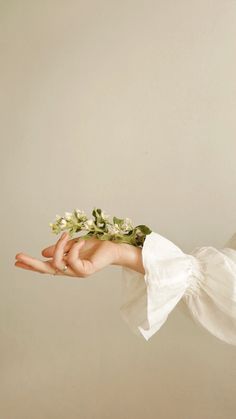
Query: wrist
{"points": [[129, 256]]}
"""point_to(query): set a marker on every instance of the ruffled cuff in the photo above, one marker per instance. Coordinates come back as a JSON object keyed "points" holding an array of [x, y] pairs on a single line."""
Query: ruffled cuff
{"points": [[148, 299]]}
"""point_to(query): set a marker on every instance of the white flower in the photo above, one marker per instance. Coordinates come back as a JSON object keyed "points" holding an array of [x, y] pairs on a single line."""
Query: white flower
{"points": [[127, 224], [112, 229], [88, 224], [63, 223], [58, 217], [79, 212], [80, 215], [68, 216]]}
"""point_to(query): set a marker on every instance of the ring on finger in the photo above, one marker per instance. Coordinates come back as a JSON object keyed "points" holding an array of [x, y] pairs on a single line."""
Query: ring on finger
{"points": [[65, 268]]}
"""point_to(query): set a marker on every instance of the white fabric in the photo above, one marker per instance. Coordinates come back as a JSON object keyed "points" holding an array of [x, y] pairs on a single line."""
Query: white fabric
{"points": [[205, 279]]}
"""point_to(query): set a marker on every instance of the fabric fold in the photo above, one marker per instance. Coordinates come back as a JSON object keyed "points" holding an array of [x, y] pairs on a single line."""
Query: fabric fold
{"points": [[148, 299], [205, 279]]}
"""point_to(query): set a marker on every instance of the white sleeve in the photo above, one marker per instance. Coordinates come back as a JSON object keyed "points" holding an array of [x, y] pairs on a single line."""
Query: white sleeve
{"points": [[205, 279], [148, 299]]}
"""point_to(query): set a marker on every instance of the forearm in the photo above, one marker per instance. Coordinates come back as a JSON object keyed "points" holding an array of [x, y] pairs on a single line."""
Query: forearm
{"points": [[129, 256]]}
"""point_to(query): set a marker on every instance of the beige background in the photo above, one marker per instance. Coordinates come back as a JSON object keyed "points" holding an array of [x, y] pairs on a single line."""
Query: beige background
{"points": [[128, 106]]}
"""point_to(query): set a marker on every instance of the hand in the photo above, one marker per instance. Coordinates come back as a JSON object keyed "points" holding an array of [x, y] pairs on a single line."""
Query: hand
{"points": [[83, 257]]}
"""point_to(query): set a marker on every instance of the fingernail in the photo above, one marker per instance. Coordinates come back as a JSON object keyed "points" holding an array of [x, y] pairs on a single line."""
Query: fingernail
{"points": [[63, 235]]}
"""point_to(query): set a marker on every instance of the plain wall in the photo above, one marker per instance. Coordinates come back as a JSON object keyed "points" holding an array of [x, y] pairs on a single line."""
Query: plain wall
{"points": [[128, 106]]}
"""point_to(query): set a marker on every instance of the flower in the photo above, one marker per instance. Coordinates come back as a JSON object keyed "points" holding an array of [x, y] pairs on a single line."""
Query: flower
{"points": [[113, 229], [118, 230], [63, 223], [127, 224], [68, 215], [88, 224], [80, 214]]}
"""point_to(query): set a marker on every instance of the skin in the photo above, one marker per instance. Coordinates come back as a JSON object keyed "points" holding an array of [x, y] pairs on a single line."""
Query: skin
{"points": [[83, 257]]}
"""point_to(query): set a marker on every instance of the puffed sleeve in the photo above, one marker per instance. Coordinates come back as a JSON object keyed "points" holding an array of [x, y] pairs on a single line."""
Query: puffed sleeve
{"points": [[205, 279]]}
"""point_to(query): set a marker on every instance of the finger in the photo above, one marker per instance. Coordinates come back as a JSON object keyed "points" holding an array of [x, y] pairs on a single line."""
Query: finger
{"points": [[28, 267], [57, 261], [24, 266], [36, 264], [49, 251], [82, 267]]}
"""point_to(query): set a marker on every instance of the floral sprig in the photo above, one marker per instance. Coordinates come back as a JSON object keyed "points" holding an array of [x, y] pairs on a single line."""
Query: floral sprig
{"points": [[118, 230]]}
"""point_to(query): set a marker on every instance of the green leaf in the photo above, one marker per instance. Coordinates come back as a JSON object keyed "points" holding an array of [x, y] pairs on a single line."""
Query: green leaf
{"points": [[144, 229], [118, 221]]}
